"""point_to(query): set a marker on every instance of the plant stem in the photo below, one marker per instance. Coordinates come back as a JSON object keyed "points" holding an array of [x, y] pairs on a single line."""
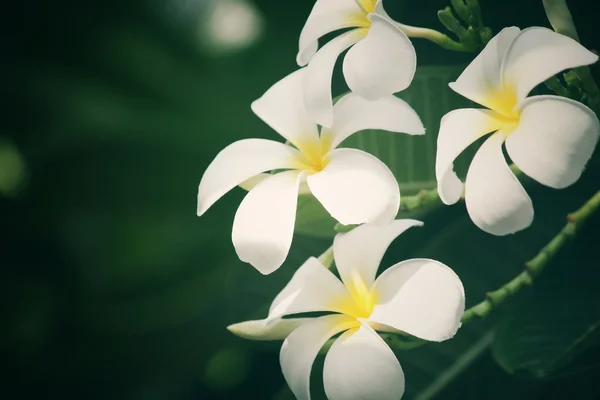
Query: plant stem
{"points": [[536, 265]]}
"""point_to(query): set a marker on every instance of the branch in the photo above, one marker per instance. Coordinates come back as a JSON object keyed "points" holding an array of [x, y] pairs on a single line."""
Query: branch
{"points": [[536, 265]]}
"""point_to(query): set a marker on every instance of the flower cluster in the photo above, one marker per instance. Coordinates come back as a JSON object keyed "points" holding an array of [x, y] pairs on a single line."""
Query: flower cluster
{"points": [[549, 138]]}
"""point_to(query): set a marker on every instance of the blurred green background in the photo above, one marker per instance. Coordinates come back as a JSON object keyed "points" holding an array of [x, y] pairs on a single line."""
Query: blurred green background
{"points": [[112, 287]]}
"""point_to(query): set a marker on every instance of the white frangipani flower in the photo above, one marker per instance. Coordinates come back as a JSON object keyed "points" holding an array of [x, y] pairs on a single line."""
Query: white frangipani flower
{"points": [[381, 62], [421, 297], [353, 186], [549, 138]]}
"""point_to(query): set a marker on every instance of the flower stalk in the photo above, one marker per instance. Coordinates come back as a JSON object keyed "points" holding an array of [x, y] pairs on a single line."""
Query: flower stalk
{"points": [[536, 265]]}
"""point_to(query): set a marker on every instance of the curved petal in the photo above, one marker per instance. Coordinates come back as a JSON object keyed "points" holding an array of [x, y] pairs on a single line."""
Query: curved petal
{"points": [[554, 140], [264, 223], [267, 330], [240, 161], [301, 347], [560, 18], [360, 365], [353, 113], [355, 188], [495, 199], [326, 16], [383, 63], [312, 288], [421, 297], [458, 129], [317, 78], [282, 108], [537, 54], [358, 253], [483, 76]]}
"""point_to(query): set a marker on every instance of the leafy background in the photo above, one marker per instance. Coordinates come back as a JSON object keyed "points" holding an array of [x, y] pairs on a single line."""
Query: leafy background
{"points": [[111, 287]]}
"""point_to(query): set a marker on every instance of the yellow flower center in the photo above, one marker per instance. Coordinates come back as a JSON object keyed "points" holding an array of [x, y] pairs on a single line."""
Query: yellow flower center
{"points": [[360, 17], [504, 104], [368, 5], [362, 298], [314, 155]]}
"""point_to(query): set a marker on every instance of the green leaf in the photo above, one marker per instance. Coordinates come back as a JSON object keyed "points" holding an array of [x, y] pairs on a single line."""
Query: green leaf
{"points": [[558, 321], [312, 219], [412, 158]]}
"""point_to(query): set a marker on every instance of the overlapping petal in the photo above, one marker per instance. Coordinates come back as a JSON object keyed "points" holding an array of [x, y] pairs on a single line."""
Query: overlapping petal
{"points": [[317, 78], [554, 140], [495, 199], [458, 129], [326, 16], [264, 222], [301, 347], [421, 297], [381, 64], [282, 108], [539, 53], [238, 162], [482, 77], [356, 187], [312, 288], [359, 252], [267, 330], [360, 365], [353, 113]]}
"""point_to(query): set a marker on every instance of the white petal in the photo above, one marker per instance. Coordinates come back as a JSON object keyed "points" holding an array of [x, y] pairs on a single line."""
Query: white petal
{"points": [[312, 288], [383, 63], [539, 53], [301, 347], [483, 76], [267, 330], [355, 188], [359, 252], [421, 297], [326, 16], [282, 108], [360, 365], [495, 199], [264, 223], [560, 18], [353, 113], [554, 140], [317, 79], [240, 161], [458, 129]]}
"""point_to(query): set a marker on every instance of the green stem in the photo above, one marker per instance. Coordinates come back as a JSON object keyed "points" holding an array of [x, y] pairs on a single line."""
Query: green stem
{"points": [[536, 265]]}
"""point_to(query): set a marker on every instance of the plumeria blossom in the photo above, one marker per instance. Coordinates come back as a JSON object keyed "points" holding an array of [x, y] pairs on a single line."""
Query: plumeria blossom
{"points": [[353, 186], [549, 138], [382, 60], [420, 297]]}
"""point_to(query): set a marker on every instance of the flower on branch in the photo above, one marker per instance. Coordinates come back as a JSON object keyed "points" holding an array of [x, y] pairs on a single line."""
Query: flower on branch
{"points": [[382, 60], [420, 297], [549, 138], [353, 186]]}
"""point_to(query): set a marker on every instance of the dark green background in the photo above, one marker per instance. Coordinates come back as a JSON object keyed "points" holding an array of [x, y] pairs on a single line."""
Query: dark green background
{"points": [[111, 286]]}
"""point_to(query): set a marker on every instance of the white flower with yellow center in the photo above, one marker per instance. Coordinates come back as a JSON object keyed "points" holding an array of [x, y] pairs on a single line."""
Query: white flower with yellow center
{"points": [[549, 138], [421, 297], [353, 186], [381, 62]]}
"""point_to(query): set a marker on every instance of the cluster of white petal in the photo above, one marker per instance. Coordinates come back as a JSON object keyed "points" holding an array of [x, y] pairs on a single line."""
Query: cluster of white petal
{"points": [[549, 138], [420, 297]]}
